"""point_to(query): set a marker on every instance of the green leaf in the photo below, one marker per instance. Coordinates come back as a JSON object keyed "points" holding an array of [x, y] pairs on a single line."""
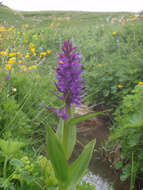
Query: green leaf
{"points": [[71, 140], [57, 156], [79, 119], [59, 131], [17, 163], [80, 166], [10, 147]]}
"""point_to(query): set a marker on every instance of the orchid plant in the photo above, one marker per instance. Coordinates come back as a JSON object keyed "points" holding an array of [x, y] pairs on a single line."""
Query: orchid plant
{"points": [[60, 145]]}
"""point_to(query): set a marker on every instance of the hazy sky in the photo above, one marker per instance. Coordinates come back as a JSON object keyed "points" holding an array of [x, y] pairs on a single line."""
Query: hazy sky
{"points": [[79, 5]]}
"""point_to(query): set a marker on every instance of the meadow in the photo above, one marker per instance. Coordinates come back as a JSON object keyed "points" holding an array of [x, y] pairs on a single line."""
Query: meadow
{"points": [[111, 47]]}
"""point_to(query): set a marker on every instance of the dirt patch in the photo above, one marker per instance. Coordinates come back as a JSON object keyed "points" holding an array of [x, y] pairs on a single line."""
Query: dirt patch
{"points": [[97, 128]]}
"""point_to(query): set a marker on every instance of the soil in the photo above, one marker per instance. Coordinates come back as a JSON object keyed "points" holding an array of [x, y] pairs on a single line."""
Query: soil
{"points": [[97, 128]]}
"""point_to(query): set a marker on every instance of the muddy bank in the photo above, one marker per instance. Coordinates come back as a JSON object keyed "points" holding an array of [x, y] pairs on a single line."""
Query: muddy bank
{"points": [[99, 129]]}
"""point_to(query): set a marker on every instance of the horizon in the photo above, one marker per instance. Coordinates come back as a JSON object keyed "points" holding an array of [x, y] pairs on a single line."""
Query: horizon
{"points": [[75, 5]]}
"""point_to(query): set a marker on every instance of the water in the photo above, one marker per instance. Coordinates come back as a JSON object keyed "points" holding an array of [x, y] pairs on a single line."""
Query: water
{"points": [[98, 181], [100, 174]]}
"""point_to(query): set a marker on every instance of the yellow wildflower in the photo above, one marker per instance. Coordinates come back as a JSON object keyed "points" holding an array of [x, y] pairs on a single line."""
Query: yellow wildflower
{"points": [[27, 55], [0, 36], [8, 67], [133, 19], [60, 61], [4, 53], [30, 68], [124, 20], [12, 54], [2, 29], [35, 36], [14, 31], [24, 67], [9, 29], [51, 25], [26, 25], [43, 53], [33, 51], [140, 83], [34, 66], [31, 45], [49, 51], [114, 33], [113, 20], [12, 60], [99, 65], [120, 86], [25, 41], [20, 61]]}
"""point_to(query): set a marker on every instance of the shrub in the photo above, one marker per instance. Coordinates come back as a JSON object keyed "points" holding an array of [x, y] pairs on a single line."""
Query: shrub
{"points": [[128, 132]]}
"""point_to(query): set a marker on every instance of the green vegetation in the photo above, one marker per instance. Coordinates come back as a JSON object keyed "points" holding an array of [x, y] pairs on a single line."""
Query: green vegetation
{"points": [[111, 47]]}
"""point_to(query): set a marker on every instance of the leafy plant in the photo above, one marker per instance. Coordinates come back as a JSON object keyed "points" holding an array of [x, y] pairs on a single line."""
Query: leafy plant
{"points": [[128, 132]]}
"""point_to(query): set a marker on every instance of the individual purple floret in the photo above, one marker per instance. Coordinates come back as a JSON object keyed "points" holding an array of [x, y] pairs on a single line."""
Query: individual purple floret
{"points": [[69, 81]]}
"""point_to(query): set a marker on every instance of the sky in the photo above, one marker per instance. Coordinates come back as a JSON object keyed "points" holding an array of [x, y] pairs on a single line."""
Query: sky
{"points": [[76, 5]]}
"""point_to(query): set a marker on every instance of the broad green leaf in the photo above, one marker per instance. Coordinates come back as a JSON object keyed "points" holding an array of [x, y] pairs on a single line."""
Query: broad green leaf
{"points": [[71, 135], [79, 119], [59, 131], [71, 140], [57, 156], [68, 139], [79, 166]]}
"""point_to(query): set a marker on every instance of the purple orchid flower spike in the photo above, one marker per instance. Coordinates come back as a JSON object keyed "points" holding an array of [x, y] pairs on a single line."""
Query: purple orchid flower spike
{"points": [[69, 81]]}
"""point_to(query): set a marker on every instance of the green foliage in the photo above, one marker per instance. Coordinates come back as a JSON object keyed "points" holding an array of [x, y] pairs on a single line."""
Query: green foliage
{"points": [[128, 131], [79, 167], [116, 65], [38, 173], [113, 66], [28, 173], [12, 119], [8, 16], [57, 156], [67, 175], [10, 147]]}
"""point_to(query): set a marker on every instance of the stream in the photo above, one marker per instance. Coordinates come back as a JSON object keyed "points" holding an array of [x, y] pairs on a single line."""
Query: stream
{"points": [[100, 173]]}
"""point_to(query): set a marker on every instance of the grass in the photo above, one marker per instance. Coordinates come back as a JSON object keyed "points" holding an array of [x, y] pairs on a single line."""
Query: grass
{"points": [[112, 59]]}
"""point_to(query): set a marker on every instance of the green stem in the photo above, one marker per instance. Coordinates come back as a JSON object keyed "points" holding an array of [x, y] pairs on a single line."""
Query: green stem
{"points": [[4, 167], [65, 131], [38, 184], [61, 187], [132, 173]]}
